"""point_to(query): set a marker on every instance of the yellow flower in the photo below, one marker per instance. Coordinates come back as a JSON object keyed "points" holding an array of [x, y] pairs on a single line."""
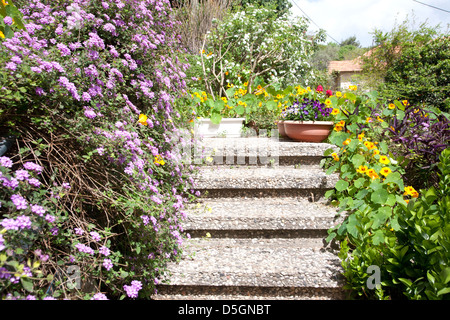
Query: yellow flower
{"points": [[353, 88], [385, 171], [245, 84], [335, 112], [361, 136], [335, 156], [384, 160], [2, 35], [341, 123], [338, 94], [376, 152], [369, 145], [338, 128], [411, 192], [405, 102], [328, 102], [159, 160], [362, 169], [379, 119], [372, 174], [346, 142], [391, 106], [142, 119], [369, 119], [224, 99]]}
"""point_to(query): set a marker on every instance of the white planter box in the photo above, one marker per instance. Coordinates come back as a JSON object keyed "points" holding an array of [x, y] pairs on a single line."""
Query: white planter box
{"points": [[228, 127]]}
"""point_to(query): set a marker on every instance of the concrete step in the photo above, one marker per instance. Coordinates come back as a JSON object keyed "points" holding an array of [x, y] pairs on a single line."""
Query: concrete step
{"points": [[225, 181], [287, 268], [262, 151], [265, 217]]}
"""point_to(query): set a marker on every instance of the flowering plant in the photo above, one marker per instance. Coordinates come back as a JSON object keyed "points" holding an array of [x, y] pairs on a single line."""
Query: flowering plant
{"points": [[88, 90], [309, 106]]}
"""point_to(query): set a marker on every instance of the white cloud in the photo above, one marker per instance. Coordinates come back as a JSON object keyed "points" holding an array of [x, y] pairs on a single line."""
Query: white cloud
{"points": [[345, 18]]}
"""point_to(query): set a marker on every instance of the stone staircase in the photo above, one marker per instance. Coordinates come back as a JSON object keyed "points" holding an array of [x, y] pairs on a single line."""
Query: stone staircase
{"points": [[258, 230]]}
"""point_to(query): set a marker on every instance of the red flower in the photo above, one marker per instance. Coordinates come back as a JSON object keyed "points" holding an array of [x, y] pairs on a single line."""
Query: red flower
{"points": [[319, 88], [329, 93]]}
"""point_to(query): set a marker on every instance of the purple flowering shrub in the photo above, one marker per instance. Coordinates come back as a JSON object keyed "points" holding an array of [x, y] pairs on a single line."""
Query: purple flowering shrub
{"points": [[418, 136], [88, 91]]}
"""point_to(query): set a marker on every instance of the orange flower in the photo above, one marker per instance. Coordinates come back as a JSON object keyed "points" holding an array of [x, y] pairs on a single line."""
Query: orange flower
{"points": [[346, 142], [335, 156]]}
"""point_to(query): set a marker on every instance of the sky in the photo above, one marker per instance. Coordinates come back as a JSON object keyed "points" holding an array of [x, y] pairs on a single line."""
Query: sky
{"points": [[342, 19]]}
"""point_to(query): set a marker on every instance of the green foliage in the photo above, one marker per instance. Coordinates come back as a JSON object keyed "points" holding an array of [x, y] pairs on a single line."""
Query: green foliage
{"points": [[9, 10], [387, 223], [279, 5], [421, 74], [423, 263], [394, 61], [251, 44]]}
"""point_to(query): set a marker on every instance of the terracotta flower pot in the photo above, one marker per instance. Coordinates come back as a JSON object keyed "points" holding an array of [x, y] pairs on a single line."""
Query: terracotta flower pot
{"points": [[308, 131], [281, 130]]}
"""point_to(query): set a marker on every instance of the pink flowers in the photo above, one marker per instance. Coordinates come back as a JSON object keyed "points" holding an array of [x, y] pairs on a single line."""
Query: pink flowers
{"points": [[133, 289], [19, 202], [319, 88], [107, 263]]}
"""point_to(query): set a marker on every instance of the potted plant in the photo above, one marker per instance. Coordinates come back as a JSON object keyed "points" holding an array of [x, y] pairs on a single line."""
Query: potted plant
{"points": [[307, 118], [216, 117]]}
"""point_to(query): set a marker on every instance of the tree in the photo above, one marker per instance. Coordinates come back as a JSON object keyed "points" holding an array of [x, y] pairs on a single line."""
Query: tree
{"points": [[421, 74], [281, 6], [410, 63], [256, 44]]}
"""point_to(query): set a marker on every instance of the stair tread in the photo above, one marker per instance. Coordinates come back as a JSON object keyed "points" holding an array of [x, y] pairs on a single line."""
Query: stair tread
{"points": [[256, 262], [306, 177], [272, 145], [259, 214]]}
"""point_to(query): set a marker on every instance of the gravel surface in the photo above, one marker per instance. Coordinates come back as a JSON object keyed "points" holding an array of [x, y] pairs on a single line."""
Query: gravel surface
{"points": [[258, 231]]}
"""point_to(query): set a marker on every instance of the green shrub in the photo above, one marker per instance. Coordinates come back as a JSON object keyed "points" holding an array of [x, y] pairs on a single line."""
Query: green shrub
{"points": [[377, 230]]}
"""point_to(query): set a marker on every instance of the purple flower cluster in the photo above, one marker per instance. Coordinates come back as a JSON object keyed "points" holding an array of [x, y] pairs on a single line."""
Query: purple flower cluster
{"points": [[307, 110], [84, 248], [21, 222], [99, 296], [96, 88], [133, 289]]}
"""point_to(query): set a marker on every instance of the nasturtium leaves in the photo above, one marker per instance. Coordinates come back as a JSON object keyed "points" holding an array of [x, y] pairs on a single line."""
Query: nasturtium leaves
{"points": [[379, 196], [341, 185]]}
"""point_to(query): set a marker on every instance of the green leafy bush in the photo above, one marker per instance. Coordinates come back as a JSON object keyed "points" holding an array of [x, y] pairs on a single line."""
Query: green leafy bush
{"points": [[373, 196]]}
